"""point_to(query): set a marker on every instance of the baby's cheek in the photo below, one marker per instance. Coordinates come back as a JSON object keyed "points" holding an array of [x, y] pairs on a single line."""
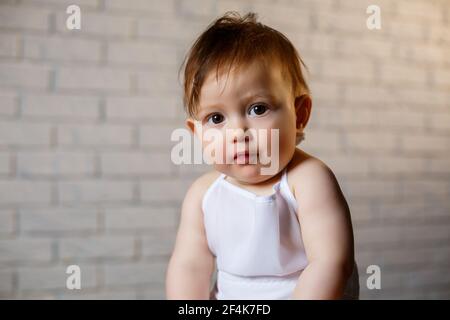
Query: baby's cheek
{"points": [[214, 151], [269, 141]]}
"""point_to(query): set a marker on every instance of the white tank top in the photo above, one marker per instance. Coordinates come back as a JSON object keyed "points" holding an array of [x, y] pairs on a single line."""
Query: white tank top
{"points": [[256, 240]]}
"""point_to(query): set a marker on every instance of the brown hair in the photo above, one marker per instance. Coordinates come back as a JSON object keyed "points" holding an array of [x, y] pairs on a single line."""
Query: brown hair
{"points": [[235, 40]]}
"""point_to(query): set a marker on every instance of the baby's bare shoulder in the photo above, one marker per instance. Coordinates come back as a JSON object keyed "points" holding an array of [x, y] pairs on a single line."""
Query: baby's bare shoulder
{"points": [[306, 172], [303, 164], [201, 184]]}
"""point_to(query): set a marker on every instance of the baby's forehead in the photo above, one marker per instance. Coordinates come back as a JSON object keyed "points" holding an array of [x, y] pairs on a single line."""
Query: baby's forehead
{"points": [[242, 78]]}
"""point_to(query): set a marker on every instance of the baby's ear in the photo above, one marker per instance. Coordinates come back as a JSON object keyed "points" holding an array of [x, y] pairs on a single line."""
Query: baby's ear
{"points": [[190, 124], [303, 107]]}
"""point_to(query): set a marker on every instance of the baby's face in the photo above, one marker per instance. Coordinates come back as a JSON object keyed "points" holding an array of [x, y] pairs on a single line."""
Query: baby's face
{"points": [[255, 100]]}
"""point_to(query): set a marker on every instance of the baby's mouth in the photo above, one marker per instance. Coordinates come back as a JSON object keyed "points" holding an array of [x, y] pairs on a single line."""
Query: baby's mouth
{"points": [[244, 157]]}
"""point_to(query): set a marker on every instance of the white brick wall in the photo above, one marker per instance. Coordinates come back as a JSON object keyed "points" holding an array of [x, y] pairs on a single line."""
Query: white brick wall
{"points": [[86, 118]]}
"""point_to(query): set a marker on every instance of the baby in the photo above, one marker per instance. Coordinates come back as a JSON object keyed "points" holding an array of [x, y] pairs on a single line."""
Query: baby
{"points": [[286, 234]]}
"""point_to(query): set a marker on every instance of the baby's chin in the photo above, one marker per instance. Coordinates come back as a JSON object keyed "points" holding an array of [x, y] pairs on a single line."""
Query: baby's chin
{"points": [[245, 173]]}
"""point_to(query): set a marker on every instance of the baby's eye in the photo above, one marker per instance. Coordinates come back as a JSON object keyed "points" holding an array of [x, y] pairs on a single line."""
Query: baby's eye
{"points": [[215, 118], [258, 110]]}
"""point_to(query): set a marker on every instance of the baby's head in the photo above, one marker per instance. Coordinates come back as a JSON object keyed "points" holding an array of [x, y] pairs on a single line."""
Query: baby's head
{"points": [[244, 80]]}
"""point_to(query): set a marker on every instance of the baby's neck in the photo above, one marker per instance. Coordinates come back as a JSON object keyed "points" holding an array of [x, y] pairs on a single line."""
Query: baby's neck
{"points": [[262, 186]]}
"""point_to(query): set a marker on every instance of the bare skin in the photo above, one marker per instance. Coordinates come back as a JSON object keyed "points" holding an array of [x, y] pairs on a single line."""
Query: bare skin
{"points": [[323, 212]]}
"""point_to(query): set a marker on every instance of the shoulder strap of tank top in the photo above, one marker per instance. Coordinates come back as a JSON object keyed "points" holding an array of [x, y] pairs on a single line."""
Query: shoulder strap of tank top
{"points": [[284, 175], [210, 188], [287, 190]]}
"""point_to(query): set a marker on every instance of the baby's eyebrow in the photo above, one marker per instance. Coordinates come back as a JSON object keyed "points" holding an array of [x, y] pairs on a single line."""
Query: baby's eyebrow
{"points": [[262, 94], [244, 101], [205, 109]]}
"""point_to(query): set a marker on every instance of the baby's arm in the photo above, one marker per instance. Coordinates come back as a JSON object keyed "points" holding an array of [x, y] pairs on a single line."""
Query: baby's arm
{"points": [[192, 263], [326, 230]]}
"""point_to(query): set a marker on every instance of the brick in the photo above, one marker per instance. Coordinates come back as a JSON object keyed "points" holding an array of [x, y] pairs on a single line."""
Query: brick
{"points": [[193, 170], [365, 47], [394, 260], [6, 282], [7, 222], [21, 192], [5, 164], [405, 30], [439, 33], [321, 140], [163, 190], [324, 90], [95, 191], [84, 4], [442, 78], [95, 135], [367, 94], [157, 135], [183, 30], [396, 74], [97, 247], [93, 79], [135, 274], [233, 5], [46, 278], [8, 101], [416, 10], [426, 186], [62, 49], [142, 108], [138, 163], [350, 6], [278, 16], [22, 18], [415, 281], [14, 133], [65, 220], [371, 189], [370, 140], [391, 165], [342, 22], [142, 53], [137, 218], [347, 165], [428, 53], [34, 295], [98, 24], [345, 117], [158, 82], [54, 163], [439, 165], [24, 76], [20, 250], [60, 106], [440, 121], [423, 97], [361, 213], [312, 45], [9, 45], [399, 211], [399, 118], [357, 70], [425, 143], [158, 243], [156, 292], [392, 234], [197, 8], [116, 294], [147, 6]]}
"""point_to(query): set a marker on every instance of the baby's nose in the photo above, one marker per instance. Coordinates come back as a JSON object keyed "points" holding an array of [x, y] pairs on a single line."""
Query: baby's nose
{"points": [[239, 137]]}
